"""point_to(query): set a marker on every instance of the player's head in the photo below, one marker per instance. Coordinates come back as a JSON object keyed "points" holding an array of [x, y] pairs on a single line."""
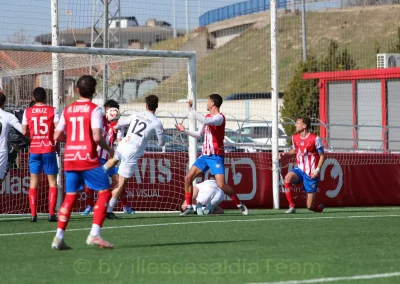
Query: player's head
{"points": [[152, 102], [39, 94], [86, 86], [111, 104], [214, 100], [2, 100], [303, 123], [182, 205]]}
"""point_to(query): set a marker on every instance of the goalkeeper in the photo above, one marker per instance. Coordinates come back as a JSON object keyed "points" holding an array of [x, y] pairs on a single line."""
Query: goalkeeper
{"points": [[206, 197]]}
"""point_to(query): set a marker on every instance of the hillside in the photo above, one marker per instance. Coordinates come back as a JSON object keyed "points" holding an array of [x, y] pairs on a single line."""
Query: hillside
{"points": [[243, 65]]}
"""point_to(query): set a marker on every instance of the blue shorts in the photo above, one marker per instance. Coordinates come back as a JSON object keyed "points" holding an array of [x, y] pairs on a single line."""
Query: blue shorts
{"points": [[214, 162], [309, 185], [110, 172], [43, 162], [95, 179]]}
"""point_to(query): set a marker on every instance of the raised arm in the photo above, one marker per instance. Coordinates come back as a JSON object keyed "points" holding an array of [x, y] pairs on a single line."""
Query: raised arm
{"points": [[123, 122], [196, 134], [160, 134], [216, 120], [59, 131]]}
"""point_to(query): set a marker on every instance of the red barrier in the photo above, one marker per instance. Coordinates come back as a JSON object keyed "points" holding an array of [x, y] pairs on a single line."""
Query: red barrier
{"points": [[158, 182]]}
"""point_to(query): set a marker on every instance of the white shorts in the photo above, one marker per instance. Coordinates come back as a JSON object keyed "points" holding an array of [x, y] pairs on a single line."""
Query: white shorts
{"points": [[3, 164], [126, 154], [209, 193]]}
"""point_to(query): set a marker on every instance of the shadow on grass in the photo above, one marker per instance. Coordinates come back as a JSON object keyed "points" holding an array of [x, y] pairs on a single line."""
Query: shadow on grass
{"points": [[184, 244]]}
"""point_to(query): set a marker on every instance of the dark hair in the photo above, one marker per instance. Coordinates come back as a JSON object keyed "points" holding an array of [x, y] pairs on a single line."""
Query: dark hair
{"points": [[217, 99], [306, 120], [2, 99], [39, 94], [152, 102], [87, 86], [111, 103]]}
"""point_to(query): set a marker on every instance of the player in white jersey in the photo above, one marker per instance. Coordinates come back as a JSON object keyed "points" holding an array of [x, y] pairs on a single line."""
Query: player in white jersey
{"points": [[142, 126], [6, 121], [206, 198]]}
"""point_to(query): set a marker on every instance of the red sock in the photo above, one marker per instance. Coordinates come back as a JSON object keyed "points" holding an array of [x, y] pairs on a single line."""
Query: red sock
{"points": [[66, 210], [235, 199], [89, 196], [53, 192], [289, 195], [123, 198], [100, 210], [188, 198], [33, 200]]}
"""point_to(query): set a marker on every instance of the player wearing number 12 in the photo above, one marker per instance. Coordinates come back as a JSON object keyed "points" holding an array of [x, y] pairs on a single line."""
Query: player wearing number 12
{"points": [[141, 127], [82, 122], [41, 119]]}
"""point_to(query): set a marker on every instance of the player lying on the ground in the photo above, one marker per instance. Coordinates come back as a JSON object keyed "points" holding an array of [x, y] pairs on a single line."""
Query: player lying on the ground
{"points": [[212, 156], [206, 198], [110, 134], [141, 127], [310, 157]]}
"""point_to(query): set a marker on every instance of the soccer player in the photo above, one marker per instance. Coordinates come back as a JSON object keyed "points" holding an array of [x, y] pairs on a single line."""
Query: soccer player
{"points": [[110, 135], [41, 119], [207, 196], [141, 127], [309, 152], [82, 122], [7, 120], [213, 128]]}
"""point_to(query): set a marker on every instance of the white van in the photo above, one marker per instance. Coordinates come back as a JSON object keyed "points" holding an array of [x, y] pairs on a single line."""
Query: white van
{"points": [[261, 133]]}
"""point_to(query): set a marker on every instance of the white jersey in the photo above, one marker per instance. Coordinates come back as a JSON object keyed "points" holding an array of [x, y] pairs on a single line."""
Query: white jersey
{"points": [[209, 193], [6, 121], [142, 127]]}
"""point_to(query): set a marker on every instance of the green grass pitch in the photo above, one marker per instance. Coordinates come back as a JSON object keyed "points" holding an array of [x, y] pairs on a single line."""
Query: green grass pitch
{"points": [[266, 246]]}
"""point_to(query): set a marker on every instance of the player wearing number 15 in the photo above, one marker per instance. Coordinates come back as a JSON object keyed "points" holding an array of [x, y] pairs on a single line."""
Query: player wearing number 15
{"points": [[41, 119], [82, 122]]}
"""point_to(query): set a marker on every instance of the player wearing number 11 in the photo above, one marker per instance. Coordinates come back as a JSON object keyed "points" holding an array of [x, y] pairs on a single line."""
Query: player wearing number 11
{"points": [[41, 119]]}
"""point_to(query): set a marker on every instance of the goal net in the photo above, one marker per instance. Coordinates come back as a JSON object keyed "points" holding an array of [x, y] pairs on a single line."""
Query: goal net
{"points": [[126, 76]]}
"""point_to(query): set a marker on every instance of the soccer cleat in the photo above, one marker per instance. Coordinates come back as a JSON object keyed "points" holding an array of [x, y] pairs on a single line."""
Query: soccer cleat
{"points": [[199, 209], [209, 208], [98, 241], [320, 208], [33, 219], [243, 209], [53, 218], [59, 244], [88, 210], [291, 210], [128, 210], [111, 216], [188, 211]]}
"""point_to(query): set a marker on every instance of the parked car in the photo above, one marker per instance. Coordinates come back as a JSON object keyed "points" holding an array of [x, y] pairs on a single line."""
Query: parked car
{"points": [[261, 134], [241, 142]]}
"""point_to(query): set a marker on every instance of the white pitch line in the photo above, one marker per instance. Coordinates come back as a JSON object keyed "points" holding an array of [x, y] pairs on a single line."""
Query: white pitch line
{"points": [[334, 279], [206, 222]]}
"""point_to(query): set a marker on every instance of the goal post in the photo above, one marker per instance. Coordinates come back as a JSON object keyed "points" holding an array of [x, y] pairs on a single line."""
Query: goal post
{"points": [[158, 183]]}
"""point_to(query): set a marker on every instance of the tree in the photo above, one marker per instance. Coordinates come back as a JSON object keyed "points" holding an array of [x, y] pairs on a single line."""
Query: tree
{"points": [[19, 37], [302, 96]]}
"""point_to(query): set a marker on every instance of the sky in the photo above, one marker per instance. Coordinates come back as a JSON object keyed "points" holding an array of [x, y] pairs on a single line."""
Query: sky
{"points": [[34, 16]]}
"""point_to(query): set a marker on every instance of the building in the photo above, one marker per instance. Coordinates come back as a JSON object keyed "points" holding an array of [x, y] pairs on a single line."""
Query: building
{"points": [[128, 35]]}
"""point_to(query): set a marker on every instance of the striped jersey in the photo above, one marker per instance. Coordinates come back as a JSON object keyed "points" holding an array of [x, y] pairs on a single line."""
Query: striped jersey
{"points": [[307, 150]]}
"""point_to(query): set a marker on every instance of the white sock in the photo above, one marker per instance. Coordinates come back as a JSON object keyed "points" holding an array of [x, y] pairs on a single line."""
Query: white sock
{"points": [[111, 204], [95, 231], [60, 234]]}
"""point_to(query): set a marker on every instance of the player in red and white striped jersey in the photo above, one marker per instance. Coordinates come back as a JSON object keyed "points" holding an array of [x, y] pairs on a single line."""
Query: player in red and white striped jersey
{"points": [[310, 157], [212, 158], [41, 119], [111, 135]]}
